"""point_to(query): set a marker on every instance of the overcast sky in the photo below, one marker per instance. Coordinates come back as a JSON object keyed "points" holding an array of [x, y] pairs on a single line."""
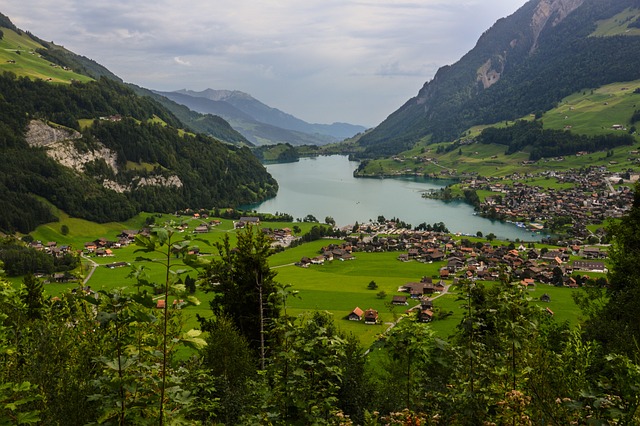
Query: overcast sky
{"points": [[320, 60]]}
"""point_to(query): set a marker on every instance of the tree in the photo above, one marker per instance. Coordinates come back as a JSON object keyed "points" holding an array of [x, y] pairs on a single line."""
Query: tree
{"points": [[372, 285], [310, 218], [163, 241], [241, 281], [381, 294], [223, 378], [32, 295], [330, 221], [615, 324], [64, 229], [296, 229], [479, 234], [407, 346], [491, 236]]}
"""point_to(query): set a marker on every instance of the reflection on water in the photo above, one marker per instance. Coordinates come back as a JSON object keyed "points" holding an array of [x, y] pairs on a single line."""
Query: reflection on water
{"points": [[325, 186]]}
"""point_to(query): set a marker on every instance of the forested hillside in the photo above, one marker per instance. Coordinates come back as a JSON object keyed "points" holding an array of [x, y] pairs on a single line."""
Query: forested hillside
{"points": [[145, 134], [513, 72]]}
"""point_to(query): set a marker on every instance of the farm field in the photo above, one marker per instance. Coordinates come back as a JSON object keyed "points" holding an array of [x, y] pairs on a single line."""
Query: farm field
{"points": [[336, 287], [589, 112]]}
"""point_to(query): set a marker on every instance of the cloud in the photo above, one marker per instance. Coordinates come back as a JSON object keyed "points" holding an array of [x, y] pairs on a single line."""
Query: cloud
{"points": [[180, 61], [321, 60]]}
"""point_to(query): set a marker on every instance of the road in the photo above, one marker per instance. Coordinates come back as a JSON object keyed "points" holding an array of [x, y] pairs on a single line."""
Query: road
{"points": [[94, 266]]}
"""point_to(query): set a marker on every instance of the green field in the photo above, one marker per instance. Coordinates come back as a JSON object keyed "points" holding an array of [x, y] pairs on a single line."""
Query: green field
{"points": [[336, 287], [18, 55], [589, 112]]}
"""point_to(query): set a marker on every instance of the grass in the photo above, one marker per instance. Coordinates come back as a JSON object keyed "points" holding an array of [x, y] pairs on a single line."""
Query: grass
{"points": [[589, 112], [618, 24], [22, 49], [336, 287]]}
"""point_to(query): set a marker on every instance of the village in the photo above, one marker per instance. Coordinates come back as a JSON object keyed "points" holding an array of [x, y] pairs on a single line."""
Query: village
{"points": [[462, 259], [457, 258], [590, 199]]}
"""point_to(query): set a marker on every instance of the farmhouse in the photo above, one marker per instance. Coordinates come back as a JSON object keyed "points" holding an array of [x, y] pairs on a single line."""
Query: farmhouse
{"points": [[355, 315], [201, 229], [247, 220], [399, 300], [425, 315], [370, 316]]}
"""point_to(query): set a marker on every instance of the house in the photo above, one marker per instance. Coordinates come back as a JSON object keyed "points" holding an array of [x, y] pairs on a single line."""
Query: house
{"points": [[160, 304], [527, 282], [416, 290], [201, 229], [588, 265], [545, 298], [370, 316], [399, 300], [250, 220], [425, 315], [426, 303], [355, 315]]}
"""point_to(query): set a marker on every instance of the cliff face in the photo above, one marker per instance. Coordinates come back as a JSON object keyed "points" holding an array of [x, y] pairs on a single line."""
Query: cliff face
{"points": [[59, 145], [550, 12], [41, 134]]}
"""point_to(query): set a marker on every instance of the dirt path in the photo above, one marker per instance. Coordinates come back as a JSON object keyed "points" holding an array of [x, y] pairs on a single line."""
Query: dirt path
{"points": [[94, 266]]}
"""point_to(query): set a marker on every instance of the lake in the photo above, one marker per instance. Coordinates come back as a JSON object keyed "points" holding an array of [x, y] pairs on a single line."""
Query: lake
{"points": [[325, 186]]}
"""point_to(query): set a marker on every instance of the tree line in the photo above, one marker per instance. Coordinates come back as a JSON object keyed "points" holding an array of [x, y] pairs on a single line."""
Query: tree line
{"points": [[546, 143]]}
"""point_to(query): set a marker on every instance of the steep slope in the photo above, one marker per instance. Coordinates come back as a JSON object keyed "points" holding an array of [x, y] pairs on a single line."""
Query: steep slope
{"points": [[255, 131], [97, 150], [268, 115], [524, 64]]}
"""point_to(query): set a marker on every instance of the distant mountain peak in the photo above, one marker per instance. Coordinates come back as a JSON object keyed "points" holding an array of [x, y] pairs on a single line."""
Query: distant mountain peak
{"points": [[260, 123], [217, 95]]}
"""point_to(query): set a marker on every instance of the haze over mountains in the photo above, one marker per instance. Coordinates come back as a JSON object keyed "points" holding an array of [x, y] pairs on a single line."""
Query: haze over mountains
{"points": [[260, 123]]}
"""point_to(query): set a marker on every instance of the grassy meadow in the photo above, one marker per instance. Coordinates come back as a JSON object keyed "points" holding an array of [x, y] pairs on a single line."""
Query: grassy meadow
{"points": [[336, 287], [589, 112], [21, 49]]}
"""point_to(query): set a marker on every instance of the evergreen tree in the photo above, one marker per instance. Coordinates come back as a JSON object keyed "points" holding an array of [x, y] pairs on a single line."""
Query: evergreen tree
{"points": [[32, 296], [242, 282], [615, 324]]}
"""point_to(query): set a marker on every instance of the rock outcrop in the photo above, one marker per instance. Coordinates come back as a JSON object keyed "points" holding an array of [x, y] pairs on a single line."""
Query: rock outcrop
{"points": [[42, 134], [59, 144]]}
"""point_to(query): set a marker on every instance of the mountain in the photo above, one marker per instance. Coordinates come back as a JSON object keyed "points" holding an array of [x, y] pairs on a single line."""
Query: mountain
{"points": [[260, 123], [74, 138], [209, 124], [524, 64]]}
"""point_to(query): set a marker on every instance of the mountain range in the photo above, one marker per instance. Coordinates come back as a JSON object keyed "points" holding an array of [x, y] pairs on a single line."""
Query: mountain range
{"points": [[524, 64], [260, 123], [74, 137], [75, 140]]}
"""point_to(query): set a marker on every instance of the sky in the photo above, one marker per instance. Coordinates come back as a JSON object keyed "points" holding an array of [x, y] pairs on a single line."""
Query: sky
{"points": [[324, 61]]}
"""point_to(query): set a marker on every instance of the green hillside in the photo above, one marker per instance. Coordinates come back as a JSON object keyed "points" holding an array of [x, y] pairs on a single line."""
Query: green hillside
{"points": [[589, 112], [19, 55], [122, 152], [517, 69]]}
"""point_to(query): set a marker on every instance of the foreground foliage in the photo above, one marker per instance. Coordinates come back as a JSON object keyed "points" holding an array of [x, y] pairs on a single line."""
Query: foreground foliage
{"points": [[116, 358]]}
